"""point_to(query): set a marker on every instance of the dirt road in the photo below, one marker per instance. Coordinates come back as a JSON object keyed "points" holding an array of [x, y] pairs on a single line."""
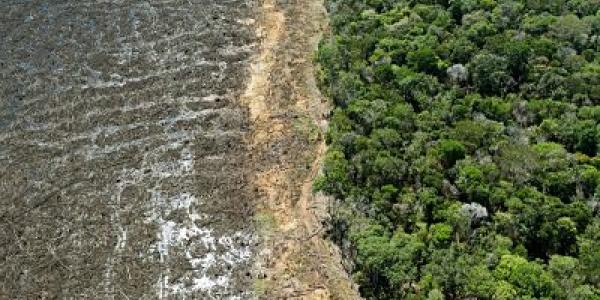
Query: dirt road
{"points": [[288, 116]]}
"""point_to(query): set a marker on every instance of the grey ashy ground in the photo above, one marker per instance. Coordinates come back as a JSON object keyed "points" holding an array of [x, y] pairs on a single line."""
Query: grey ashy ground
{"points": [[121, 149]]}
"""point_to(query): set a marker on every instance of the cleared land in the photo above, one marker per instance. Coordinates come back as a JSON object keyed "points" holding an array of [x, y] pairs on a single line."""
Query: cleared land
{"points": [[163, 149], [123, 149]]}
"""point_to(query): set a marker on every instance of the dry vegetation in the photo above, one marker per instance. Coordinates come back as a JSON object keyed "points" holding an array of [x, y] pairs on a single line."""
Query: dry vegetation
{"points": [[139, 153]]}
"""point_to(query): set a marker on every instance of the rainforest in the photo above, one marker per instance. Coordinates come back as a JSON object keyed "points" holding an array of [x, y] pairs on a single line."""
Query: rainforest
{"points": [[463, 147]]}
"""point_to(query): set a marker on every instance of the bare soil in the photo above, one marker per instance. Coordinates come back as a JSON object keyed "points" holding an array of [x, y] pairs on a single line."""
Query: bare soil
{"points": [[288, 114]]}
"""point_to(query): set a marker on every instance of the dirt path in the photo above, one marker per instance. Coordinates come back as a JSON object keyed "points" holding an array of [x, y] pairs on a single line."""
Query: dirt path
{"points": [[287, 110]]}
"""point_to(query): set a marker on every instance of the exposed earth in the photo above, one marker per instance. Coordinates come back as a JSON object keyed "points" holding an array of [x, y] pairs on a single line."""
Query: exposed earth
{"points": [[162, 150]]}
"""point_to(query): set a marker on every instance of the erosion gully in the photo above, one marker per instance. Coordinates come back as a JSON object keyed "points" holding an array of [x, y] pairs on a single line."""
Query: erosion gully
{"points": [[162, 150]]}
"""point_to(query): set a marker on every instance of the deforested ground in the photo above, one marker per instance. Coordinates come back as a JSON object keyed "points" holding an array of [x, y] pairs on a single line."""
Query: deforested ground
{"points": [[162, 150], [122, 149]]}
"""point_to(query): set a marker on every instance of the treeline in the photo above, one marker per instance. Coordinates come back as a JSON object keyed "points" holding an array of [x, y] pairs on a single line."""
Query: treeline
{"points": [[463, 146]]}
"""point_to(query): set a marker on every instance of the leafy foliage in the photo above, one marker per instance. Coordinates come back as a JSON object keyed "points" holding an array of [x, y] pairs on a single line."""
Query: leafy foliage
{"points": [[464, 146]]}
